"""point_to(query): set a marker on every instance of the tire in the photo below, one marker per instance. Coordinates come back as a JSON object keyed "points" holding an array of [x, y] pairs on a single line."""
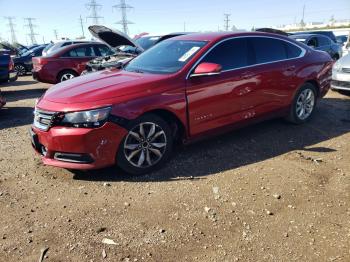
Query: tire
{"points": [[66, 75], [304, 104], [344, 92], [147, 146], [20, 69]]}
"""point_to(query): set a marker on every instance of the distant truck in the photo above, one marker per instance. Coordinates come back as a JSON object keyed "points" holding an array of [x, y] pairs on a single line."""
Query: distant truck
{"points": [[7, 69]]}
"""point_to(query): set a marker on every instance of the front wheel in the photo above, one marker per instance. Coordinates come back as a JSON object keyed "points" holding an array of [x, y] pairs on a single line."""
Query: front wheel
{"points": [[146, 147], [303, 105]]}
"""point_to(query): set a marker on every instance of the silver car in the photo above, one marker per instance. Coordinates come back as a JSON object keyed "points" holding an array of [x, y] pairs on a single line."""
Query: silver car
{"points": [[341, 75]]}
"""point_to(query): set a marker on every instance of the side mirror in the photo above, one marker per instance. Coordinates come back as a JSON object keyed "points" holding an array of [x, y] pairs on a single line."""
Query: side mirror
{"points": [[207, 69]]}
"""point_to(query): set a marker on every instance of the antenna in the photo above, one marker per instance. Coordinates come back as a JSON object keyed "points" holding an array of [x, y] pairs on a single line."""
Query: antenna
{"points": [[124, 8], [82, 26], [93, 6], [12, 26], [227, 21], [31, 26]]}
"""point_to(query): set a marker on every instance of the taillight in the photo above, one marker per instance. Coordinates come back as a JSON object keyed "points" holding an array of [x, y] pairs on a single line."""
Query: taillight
{"points": [[11, 65]]}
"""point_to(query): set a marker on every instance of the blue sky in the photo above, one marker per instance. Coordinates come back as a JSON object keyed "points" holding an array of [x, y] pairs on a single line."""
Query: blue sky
{"points": [[161, 16]]}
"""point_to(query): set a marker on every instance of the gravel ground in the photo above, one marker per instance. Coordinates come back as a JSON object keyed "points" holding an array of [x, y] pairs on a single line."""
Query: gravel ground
{"points": [[269, 192]]}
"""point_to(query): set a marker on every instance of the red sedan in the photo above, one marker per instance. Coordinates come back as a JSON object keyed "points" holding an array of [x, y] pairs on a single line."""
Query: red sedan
{"points": [[183, 89], [67, 62]]}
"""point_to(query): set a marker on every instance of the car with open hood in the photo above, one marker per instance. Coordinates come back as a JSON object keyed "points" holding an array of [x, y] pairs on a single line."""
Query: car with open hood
{"points": [[124, 47], [23, 63], [183, 89]]}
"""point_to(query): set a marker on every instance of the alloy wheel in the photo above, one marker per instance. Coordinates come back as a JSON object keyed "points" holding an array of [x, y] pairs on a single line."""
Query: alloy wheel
{"points": [[67, 76], [305, 104], [145, 145], [20, 69]]}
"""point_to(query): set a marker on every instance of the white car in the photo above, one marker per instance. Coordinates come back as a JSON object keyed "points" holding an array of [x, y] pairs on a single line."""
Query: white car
{"points": [[341, 75]]}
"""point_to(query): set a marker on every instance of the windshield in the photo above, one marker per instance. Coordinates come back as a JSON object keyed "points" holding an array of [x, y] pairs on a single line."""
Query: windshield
{"points": [[165, 58], [147, 42]]}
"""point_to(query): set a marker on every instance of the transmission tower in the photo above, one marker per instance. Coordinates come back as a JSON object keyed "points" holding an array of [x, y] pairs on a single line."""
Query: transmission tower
{"points": [[31, 26], [123, 7], [94, 7], [82, 26], [227, 21], [11, 26]]}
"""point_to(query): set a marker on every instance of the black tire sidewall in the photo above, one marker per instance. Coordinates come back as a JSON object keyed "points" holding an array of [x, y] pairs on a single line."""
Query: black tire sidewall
{"points": [[124, 164], [293, 114]]}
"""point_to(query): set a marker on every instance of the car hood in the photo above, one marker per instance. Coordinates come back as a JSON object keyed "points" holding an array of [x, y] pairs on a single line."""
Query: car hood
{"points": [[112, 38], [345, 61], [103, 85]]}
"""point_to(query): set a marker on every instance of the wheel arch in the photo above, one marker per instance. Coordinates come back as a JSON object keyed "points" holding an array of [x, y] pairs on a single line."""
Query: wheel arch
{"points": [[176, 125], [315, 84]]}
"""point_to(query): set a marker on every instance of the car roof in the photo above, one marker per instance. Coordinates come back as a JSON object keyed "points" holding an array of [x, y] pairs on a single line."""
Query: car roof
{"points": [[308, 36], [217, 36]]}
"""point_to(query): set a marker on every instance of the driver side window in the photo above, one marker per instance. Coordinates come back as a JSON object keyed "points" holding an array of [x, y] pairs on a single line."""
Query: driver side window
{"points": [[230, 54]]}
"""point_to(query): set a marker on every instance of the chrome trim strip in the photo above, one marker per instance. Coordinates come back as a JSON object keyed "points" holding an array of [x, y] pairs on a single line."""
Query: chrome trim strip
{"points": [[333, 87], [249, 36]]}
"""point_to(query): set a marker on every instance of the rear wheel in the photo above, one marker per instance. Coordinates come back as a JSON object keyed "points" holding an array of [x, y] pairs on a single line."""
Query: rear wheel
{"points": [[303, 105], [66, 75], [146, 147], [20, 69]]}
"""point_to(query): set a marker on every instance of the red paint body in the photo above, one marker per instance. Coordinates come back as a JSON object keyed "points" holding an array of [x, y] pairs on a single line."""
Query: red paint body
{"points": [[204, 105], [47, 68]]}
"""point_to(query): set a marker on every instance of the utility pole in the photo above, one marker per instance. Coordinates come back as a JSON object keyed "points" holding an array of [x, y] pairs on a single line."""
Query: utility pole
{"points": [[302, 22], [82, 26], [31, 26], [93, 6], [11, 26], [227, 21], [123, 7], [55, 34]]}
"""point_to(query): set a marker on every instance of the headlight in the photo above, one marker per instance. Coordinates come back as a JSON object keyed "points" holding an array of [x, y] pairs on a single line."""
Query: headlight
{"points": [[337, 67], [89, 119]]}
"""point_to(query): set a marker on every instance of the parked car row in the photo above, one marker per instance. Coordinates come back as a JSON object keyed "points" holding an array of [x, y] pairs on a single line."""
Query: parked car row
{"points": [[182, 89]]}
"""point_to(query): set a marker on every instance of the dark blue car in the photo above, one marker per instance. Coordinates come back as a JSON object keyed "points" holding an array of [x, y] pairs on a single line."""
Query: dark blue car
{"points": [[7, 72], [23, 63]]}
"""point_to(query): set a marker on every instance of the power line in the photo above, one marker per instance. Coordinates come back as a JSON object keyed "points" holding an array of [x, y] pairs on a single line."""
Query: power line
{"points": [[31, 26], [82, 26], [12, 26], [124, 22], [227, 21], [94, 7]]}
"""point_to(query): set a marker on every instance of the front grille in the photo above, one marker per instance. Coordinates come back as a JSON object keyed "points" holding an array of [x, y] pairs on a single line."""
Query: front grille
{"points": [[43, 119], [346, 70], [342, 84]]}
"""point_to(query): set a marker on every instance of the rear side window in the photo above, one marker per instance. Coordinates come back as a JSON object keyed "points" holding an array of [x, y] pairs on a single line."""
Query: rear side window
{"points": [[81, 52], [323, 41], [230, 54], [269, 50], [292, 50]]}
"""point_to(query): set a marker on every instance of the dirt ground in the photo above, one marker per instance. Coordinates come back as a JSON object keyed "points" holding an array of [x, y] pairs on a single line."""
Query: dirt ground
{"points": [[269, 192]]}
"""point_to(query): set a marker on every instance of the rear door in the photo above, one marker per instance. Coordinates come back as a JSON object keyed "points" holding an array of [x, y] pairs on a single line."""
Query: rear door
{"points": [[275, 67], [216, 100], [324, 44], [77, 57]]}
